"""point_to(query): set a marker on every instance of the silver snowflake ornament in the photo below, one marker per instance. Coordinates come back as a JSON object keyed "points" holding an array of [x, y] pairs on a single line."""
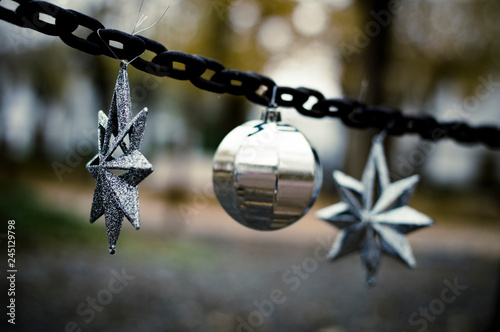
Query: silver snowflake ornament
{"points": [[119, 141], [373, 216]]}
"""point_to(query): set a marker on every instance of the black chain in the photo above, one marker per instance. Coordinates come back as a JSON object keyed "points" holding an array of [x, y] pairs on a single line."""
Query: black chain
{"points": [[255, 87]]}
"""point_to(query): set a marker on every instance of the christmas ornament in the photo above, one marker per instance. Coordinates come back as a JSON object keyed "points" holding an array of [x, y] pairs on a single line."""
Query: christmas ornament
{"points": [[265, 173], [373, 216], [116, 196]]}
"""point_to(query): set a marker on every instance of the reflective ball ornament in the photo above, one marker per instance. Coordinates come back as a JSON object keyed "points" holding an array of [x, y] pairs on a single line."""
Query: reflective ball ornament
{"points": [[265, 173]]}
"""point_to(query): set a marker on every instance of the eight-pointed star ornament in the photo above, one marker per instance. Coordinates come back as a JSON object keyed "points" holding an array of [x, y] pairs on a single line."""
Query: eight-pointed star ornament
{"points": [[373, 216], [116, 195]]}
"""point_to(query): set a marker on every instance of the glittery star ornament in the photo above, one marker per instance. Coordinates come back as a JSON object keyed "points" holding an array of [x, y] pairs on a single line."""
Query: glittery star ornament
{"points": [[116, 195], [373, 216]]}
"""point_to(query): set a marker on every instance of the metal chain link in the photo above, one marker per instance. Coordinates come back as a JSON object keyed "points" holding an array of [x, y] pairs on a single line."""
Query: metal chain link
{"points": [[255, 87]]}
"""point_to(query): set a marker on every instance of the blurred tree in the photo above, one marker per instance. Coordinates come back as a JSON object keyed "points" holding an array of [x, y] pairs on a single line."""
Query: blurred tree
{"points": [[365, 61]]}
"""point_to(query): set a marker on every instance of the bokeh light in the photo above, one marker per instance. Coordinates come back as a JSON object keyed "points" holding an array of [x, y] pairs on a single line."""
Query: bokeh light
{"points": [[275, 34], [244, 15], [310, 18]]}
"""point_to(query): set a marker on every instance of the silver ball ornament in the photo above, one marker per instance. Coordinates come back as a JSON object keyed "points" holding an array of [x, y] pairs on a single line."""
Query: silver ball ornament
{"points": [[265, 173]]}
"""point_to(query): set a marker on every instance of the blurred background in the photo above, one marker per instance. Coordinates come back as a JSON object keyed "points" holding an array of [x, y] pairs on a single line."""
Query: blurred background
{"points": [[191, 267]]}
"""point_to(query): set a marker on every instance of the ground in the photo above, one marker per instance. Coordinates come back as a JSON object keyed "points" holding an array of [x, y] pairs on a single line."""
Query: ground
{"points": [[201, 271]]}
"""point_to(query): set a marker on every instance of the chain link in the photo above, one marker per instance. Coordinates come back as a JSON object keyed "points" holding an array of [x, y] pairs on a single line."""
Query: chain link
{"points": [[81, 44], [255, 87]]}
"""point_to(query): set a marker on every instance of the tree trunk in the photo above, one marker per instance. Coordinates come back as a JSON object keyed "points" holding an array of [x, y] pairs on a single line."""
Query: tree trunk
{"points": [[373, 59]]}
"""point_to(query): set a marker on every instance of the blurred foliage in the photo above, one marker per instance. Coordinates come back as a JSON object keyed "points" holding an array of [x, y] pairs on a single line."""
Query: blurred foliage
{"points": [[429, 40], [37, 223], [428, 44], [42, 227]]}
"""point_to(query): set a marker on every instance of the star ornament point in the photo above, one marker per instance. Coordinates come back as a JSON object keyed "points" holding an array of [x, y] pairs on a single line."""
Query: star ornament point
{"points": [[119, 166], [373, 216]]}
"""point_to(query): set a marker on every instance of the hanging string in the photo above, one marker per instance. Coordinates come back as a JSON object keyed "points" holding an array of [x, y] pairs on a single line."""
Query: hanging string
{"points": [[138, 22], [272, 103], [152, 25], [109, 48]]}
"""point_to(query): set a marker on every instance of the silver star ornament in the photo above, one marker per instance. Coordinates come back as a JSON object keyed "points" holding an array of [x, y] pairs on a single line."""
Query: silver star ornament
{"points": [[117, 172], [373, 216]]}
